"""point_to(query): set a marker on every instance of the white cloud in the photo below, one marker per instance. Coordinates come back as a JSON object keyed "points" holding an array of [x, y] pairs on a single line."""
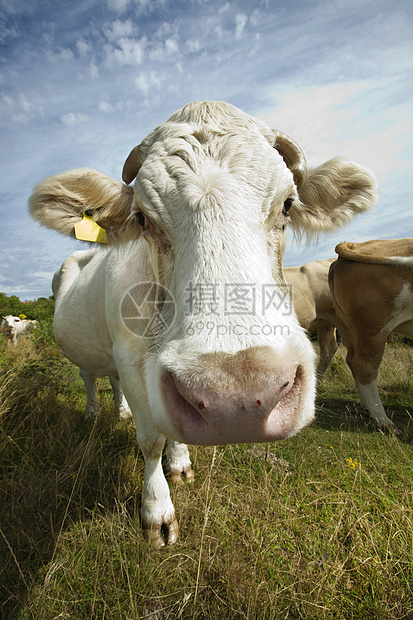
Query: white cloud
{"points": [[19, 108], [105, 107], [171, 46], [255, 17], [72, 119], [119, 6], [219, 31], [61, 55], [44, 275], [6, 105], [193, 45], [27, 106], [165, 51], [240, 21], [83, 47], [140, 6], [166, 30], [7, 33], [147, 80], [118, 30], [224, 9], [339, 119], [94, 71], [129, 52]]}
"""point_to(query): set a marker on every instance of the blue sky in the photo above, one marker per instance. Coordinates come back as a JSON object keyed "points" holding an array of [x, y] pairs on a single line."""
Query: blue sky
{"points": [[83, 81]]}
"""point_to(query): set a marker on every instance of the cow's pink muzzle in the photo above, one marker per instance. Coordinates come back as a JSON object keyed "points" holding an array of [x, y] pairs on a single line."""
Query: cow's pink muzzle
{"points": [[234, 413]]}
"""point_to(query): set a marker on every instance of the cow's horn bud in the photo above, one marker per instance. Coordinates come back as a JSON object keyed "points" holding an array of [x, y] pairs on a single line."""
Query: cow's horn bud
{"points": [[292, 155], [132, 165]]}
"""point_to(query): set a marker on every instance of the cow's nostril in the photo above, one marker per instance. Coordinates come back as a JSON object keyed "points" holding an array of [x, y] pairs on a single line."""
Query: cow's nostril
{"points": [[206, 415]]}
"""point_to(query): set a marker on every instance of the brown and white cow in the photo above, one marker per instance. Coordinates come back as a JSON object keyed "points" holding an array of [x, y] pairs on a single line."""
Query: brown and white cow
{"points": [[372, 290], [313, 305], [13, 328], [182, 304]]}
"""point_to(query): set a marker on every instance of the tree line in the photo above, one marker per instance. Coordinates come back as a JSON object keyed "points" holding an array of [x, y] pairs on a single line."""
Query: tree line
{"points": [[39, 310]]}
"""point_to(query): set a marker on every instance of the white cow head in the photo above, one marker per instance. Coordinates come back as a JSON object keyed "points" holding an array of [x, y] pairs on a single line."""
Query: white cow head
{"points": [[214, 190], [11, 324], [13, 327]]}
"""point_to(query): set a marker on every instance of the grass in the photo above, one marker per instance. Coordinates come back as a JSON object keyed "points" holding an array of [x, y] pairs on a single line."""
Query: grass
{"points": [[317, 527]]}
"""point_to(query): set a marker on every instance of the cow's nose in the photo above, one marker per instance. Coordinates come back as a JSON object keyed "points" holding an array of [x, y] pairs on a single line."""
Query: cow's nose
{"points": [[251, 396], [237, 402]]}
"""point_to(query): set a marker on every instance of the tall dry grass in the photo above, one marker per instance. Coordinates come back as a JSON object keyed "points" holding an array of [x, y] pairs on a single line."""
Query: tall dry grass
{"points": [[319, 526]]}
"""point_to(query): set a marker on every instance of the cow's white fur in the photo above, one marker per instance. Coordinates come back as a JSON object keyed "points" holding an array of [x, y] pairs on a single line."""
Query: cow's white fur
{"points": [[62, 280], [211, 185]]}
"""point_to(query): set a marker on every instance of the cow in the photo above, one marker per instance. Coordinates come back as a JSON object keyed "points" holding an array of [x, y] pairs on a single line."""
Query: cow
{"points": [[14, 327], [78, 260], [313, 305], [310, 293], [372, 290], [182, 302]]}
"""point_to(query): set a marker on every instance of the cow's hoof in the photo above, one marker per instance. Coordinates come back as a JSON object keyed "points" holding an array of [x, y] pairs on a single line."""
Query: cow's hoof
{"points": [[189, 475], [90, 417], [173, 532], [158, 536], [154, 537], [175, 477], [393, 429], [390, 427], [178, 477]]}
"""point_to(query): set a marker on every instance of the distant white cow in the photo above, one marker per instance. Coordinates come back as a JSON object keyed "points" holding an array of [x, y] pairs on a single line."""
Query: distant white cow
{"points": [[183, 303], [314, 306], [13, 328]]}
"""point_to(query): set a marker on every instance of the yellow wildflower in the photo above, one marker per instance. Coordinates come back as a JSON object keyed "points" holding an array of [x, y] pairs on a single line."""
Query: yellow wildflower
{"points": [[353, 463]]}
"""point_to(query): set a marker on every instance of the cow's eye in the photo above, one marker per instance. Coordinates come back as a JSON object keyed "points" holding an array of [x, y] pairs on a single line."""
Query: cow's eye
{"points": [[287, 205], [141, 219]]}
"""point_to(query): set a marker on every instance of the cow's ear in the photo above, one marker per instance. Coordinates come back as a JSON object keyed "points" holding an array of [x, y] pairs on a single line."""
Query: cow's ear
{"points": [[60, 202], [332, 195]]}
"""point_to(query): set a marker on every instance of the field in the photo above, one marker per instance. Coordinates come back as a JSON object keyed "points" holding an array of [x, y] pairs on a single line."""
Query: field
{"points": [[317, 527]]}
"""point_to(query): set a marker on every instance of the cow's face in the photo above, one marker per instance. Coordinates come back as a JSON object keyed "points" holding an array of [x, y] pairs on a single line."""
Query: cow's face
{"points": [[233, 365], [10, 324], [227, 361]]}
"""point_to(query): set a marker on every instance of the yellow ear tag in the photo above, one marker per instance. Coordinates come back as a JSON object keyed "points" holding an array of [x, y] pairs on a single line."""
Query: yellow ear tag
{"points": [[89, 230]]}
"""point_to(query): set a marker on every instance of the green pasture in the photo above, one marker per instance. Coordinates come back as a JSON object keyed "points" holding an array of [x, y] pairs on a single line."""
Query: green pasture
{"points": [[316, 527]]}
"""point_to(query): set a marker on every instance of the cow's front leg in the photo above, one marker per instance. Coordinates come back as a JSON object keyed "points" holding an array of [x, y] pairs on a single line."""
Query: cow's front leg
{"points": [[158, 513], [178, 462], [327, 343], [370, 400], [364, 361], [121, 404], [92, 403]]}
